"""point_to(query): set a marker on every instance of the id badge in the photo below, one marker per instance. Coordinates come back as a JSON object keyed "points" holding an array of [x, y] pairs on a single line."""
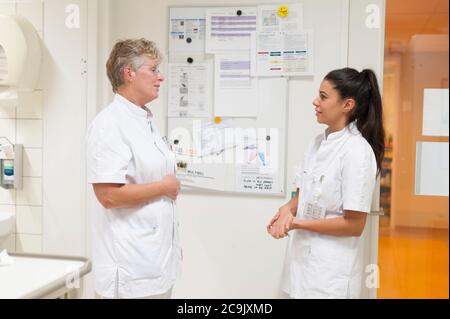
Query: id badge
{"points": [[314, 211]]}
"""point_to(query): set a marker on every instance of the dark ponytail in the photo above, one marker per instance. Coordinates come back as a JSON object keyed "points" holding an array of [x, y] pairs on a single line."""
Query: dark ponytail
{"points": [[368, 113]]}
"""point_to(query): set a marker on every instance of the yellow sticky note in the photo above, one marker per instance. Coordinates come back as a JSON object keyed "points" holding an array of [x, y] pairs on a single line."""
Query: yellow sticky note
{"points": [[217, 119], [283, 11]]}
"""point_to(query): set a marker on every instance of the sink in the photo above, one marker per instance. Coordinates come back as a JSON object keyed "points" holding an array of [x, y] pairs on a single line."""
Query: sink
{"points": [[6, 225]]}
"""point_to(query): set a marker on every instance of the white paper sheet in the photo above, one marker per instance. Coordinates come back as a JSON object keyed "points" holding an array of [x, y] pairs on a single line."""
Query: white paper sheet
{"points": [[190, 91], [207, 176], [435, 112], [270, 20], [234, 72], [282, 53], [187, 30], [432, 168], [227, 31], [236, 92]]}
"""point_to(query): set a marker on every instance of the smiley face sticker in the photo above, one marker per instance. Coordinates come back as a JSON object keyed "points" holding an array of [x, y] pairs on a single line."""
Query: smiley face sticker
{"points": [[283, 11]]}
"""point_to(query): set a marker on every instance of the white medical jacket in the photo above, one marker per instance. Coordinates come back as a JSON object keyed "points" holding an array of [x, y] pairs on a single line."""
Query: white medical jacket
{"points": [[339, 172], [136, 251]]}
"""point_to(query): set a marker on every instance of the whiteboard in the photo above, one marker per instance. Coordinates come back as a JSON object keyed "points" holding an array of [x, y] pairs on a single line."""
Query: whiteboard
{"points": [[239, 146], [227, 161]]}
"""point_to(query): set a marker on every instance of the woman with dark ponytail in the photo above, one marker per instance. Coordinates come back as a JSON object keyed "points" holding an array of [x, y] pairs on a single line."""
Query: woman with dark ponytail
{"points": [[335, 184]]}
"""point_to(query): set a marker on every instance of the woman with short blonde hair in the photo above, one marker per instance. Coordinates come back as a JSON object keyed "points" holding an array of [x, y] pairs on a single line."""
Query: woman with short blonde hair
{"points": [[136, 252]]}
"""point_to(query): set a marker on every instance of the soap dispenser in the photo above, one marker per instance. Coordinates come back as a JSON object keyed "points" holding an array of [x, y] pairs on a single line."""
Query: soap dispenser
{"points": [[10, 164]]}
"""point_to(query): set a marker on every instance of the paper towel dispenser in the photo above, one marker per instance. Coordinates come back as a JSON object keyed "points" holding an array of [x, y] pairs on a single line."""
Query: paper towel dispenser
{"points": [[20, 58]]}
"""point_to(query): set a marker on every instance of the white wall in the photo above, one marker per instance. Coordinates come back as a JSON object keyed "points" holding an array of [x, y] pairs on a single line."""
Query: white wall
{"points": [[64, 130]]}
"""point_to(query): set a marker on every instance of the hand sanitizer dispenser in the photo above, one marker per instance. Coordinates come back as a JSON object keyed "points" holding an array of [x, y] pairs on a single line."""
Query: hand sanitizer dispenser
{"points": [[11, 165]]}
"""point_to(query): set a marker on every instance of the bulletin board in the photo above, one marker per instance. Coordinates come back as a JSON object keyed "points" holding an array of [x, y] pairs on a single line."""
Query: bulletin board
{"points": [[227, 103]]}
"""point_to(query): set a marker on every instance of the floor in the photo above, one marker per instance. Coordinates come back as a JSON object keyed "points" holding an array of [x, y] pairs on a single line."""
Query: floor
{"points": [[413, 262]]}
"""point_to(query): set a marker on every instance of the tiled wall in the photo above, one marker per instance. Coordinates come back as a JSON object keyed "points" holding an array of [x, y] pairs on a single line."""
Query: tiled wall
{"points": [[24, 125]]}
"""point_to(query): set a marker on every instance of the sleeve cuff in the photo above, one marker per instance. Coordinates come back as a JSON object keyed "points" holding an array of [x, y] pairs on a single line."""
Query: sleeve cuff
{"points": [[116, 179], [357, 208]]}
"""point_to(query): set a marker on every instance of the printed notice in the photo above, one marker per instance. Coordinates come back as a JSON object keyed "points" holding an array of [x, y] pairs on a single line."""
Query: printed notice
{"points": [[270, 20], [282, 53], [235, 90], [190, 94], [229, 29], [187, 30]]}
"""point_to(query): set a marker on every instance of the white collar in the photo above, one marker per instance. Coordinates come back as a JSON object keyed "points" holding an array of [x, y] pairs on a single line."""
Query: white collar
{"points": [[136, 110], [350, 128], [353, 129]]}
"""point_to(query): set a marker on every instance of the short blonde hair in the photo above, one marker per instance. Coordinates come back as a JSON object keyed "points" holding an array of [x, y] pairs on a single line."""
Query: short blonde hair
{"points": [[129, 52]]}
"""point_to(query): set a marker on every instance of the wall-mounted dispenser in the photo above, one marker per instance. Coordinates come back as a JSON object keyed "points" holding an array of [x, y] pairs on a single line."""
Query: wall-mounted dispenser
{"points": [[11, 163], [20, 58]]}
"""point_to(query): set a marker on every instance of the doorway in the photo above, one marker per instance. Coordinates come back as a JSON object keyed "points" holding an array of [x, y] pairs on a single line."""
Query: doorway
{"points": [[413, 239]]}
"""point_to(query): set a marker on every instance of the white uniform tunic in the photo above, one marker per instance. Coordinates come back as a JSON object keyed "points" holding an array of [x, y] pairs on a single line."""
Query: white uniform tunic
{"points": [[338, 173], [136, 251]]}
